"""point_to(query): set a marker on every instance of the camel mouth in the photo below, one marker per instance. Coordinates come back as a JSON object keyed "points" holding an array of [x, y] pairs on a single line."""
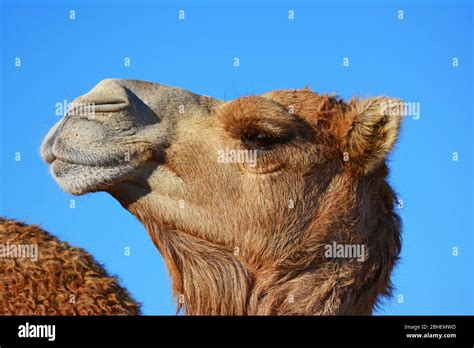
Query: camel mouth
{"points": [[79, 172], [93, 168]]}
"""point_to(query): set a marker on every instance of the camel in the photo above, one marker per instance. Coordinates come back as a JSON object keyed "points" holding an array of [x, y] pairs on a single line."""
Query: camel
{"points": [[40, 275], [255, 203]]}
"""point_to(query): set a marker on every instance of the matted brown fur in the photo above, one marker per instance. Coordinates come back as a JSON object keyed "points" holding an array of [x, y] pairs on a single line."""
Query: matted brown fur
{"points": [[64, 280]]}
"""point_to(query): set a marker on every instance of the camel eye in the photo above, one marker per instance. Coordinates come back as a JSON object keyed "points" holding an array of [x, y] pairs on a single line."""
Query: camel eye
{"points": [[260, 139]]}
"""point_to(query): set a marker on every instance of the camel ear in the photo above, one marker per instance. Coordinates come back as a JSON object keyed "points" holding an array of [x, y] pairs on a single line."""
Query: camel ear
{"points": [[370, 130]]}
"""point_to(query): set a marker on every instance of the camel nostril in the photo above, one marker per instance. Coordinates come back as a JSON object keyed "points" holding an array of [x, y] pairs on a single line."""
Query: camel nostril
{"points": [[108, 96], [89, 106], [113, 106]]}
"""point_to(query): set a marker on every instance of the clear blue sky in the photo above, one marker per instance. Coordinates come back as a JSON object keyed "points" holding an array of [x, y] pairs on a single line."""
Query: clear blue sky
{"points": [[411, 59]]}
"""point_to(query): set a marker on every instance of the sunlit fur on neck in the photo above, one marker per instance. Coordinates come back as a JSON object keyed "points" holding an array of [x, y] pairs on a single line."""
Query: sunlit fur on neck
{"points": [[208, 279]]}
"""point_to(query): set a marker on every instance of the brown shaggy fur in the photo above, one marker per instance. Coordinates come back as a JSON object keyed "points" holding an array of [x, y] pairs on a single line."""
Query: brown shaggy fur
{"points": [[63, 281]]}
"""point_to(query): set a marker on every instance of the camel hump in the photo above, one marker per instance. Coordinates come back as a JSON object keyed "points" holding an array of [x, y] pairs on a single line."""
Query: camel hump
{"points": [[41, 275]]}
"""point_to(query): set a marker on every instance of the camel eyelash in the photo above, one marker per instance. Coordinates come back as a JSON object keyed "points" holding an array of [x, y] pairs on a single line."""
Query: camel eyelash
{"points": [[262, 139]]}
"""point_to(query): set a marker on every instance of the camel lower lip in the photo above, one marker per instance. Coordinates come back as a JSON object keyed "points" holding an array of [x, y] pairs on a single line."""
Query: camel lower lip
{"points": [[63, 167], [79, 179]]}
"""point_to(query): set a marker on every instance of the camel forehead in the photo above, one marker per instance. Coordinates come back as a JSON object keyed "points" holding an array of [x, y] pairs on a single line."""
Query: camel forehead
{"points": [[252, 106], [301, 102], [287, 107], [307, 104]]}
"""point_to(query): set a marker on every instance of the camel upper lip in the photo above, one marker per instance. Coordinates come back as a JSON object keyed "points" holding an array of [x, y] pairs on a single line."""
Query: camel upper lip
{"points": [[53, 152], [48, 158]]}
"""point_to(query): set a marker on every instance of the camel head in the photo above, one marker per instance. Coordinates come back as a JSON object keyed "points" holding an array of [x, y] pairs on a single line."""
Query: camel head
{"points": [[268, 204]]}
